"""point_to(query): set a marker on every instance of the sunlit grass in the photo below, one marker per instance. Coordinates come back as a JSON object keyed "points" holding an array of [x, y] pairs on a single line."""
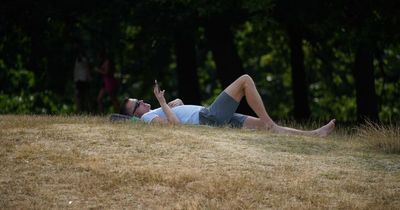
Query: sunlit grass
{"points": [[83, 162], [381, 137]]}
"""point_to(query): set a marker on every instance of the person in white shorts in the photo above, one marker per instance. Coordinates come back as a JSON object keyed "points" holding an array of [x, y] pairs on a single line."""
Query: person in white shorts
{"points": [[221, 112]]}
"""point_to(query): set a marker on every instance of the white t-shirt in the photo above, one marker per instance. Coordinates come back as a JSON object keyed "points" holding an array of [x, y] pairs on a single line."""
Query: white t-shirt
{"points": [[81, 71], [187, 114]]}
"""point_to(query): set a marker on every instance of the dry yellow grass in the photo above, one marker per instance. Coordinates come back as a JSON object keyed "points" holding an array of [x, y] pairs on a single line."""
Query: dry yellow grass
{"points": [[381, 137], [87, 162]]}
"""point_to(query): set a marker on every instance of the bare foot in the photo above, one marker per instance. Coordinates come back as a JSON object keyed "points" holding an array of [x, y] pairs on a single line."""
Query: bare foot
{"points": [[325, 130]]}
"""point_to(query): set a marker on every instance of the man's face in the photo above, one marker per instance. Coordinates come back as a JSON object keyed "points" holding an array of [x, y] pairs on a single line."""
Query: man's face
{"points": [[137, 107]]}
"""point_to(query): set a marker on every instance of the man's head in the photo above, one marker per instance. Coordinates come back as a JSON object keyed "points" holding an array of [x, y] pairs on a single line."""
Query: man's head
{"points": [[134, 107]]}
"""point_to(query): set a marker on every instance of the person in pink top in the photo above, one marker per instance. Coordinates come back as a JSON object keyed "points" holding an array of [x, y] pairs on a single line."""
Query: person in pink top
{"points": [[110, 84]]}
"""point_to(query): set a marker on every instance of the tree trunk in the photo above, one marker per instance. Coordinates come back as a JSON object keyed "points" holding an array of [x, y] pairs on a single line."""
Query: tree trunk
{"points": [[229, 66], [301, 108], [188, 85], [35, 31], [367, 106], [220, 40]]}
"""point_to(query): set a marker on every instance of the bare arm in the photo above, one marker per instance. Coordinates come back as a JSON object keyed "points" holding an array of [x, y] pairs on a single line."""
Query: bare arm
{"points": [[171, 117]]}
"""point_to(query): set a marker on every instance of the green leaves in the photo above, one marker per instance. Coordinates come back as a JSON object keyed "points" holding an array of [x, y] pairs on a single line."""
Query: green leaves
{"points": [[36, 49]]}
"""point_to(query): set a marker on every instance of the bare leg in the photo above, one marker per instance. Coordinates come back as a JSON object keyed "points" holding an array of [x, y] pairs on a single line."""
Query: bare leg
{"points": [[244, 86], [78, 97], [255, 123]]}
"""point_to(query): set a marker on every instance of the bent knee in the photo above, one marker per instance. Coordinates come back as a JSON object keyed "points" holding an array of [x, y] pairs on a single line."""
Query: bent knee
{"points": [[245, 77], [246, 80]]}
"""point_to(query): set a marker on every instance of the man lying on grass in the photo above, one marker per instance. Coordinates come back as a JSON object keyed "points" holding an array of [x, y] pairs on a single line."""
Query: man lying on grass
{"points": [[221, 112]]}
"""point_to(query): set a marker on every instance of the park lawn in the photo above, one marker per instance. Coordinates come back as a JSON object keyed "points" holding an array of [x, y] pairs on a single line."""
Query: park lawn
{"points": [[83, 162]]}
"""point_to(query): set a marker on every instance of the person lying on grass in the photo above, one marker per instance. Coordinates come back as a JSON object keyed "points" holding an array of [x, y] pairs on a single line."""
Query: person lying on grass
{"points": [[221, 112]]}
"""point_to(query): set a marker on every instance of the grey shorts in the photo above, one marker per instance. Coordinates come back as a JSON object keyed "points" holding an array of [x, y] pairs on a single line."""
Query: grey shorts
{"points": [[222, 112]]}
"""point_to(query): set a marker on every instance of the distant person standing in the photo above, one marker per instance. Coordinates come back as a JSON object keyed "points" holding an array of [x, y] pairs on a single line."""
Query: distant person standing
{"points": [[81, 79], [110, 84]]}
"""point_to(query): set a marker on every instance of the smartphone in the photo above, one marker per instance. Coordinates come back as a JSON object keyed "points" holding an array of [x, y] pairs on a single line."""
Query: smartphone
{"points": [[156, 84]]}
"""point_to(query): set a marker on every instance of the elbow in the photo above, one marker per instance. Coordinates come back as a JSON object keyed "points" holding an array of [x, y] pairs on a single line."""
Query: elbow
{"points": [[175, 121]]}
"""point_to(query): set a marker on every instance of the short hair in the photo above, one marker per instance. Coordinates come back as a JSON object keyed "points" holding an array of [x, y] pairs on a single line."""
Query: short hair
{"points": [[123, 110]]}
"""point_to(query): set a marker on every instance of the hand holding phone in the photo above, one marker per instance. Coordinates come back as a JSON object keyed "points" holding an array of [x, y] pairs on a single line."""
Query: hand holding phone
{"points": [[156, 85], [158, 93]]}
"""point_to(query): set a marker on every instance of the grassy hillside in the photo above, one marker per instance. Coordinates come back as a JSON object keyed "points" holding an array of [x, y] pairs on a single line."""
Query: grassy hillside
{"points": [[88, 162]]}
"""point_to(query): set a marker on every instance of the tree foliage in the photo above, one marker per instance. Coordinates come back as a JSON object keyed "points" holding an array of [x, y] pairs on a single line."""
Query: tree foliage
{"points": [[196, 47]]}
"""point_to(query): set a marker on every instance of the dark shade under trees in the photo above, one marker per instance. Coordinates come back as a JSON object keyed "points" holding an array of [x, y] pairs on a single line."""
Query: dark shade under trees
{"points": [[37, 37]]}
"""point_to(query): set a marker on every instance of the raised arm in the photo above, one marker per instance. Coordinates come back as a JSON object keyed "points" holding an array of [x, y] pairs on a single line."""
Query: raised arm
{"points": [[171, 117]]}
